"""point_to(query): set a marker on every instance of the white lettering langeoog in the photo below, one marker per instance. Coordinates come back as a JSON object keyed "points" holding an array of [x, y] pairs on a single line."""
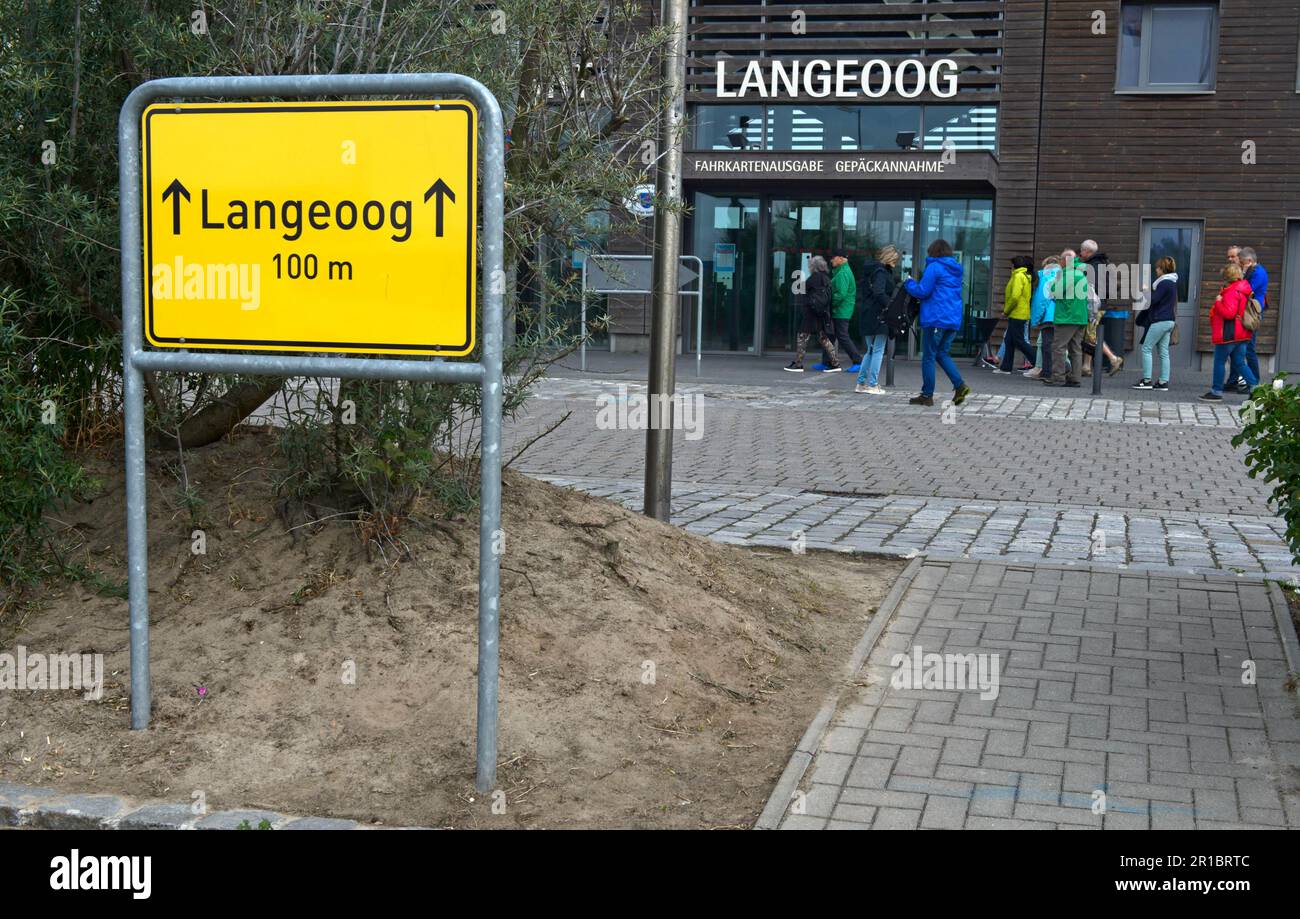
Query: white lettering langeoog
{"points": [[846, 78]]}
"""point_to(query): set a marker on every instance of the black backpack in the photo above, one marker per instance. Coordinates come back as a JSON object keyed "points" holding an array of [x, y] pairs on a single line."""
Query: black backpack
{"points": [[901, 311]]}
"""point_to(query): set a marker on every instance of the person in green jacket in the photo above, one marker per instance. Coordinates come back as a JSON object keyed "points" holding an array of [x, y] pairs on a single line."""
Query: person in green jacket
{"points": [[1069, 296], [1015, 306], [844, 299]]}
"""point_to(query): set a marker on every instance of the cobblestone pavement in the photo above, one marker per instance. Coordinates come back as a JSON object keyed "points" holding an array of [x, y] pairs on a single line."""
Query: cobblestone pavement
{"points": [[1121, 702], [1167, 457], [804, 397], [1131, 538]]}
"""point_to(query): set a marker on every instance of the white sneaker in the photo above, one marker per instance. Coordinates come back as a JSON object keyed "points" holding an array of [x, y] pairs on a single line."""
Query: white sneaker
{"points": [[1035, 373], [877, 390], [861, 387]]}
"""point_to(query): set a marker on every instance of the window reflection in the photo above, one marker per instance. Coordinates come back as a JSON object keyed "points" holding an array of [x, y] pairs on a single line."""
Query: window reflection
{"points": [[839, 128]]}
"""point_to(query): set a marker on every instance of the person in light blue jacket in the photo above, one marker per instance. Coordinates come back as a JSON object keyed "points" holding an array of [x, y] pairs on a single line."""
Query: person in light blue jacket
{"points": [[1042, 311], [939, 291]]}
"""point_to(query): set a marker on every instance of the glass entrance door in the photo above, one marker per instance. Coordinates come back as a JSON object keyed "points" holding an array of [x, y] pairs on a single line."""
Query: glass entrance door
{"points": [[1181, 241], [870, 225], [726, 241], [800, 230], [967, 224]]}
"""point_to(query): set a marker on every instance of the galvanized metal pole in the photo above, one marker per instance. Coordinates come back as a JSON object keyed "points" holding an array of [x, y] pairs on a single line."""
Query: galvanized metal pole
{"points": [[490, 544], [137, 533], [1097, 357], [664, 299]]}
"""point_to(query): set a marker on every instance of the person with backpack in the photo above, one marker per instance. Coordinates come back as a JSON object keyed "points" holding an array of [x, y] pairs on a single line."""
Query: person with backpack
{"points": [[1229, 333], [1158, 320], [939, 291], [814, 303], [1015, 306], [876, 292]]}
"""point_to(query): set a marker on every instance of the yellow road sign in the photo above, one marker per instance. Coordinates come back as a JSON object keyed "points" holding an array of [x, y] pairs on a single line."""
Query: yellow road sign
{"points": [[310, 226]]}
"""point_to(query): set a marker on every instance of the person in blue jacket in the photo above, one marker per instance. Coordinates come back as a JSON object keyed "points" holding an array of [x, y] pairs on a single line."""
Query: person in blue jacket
{"points": [[1257, 277], [1042, 310], [939, 291]]}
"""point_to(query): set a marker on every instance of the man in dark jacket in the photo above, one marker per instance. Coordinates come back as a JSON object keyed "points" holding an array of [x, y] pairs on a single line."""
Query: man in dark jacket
{"points": [[812, 297], [1257, 277]]}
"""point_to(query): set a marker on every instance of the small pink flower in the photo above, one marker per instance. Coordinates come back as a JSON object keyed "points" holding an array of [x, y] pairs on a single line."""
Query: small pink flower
{"points": [[202, 691]]}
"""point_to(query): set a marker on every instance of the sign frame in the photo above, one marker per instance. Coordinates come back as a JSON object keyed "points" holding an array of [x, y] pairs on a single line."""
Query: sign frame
{"points": [[616, 288], [486, 372]]}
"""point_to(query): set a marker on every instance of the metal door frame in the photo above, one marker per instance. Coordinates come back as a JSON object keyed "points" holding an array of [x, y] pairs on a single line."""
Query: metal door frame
{"points": [[1193, 355]]}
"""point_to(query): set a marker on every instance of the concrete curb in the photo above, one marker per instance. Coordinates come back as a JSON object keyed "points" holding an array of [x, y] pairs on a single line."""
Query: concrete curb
{"points": [[48, 808], [806, 749], [1286, 630]]}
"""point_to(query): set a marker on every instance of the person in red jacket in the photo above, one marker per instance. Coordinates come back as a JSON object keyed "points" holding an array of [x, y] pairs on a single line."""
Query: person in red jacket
{"points": [[1228, 333]]}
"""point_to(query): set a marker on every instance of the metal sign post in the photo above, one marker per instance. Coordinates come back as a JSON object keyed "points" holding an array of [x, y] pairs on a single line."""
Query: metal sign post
{"points": [[445, 216]]}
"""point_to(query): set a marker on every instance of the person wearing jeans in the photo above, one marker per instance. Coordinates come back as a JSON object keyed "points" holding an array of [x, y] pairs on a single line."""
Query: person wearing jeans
{"points": [[1041, 316], [1229, 334], [939, 291], [1254, 274], [1159, 321], [935, 343], [1016, 308], [877, 290]]}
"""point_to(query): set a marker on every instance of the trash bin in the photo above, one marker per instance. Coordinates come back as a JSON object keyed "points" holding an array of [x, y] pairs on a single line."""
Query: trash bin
{"points": [[1115, 328]]}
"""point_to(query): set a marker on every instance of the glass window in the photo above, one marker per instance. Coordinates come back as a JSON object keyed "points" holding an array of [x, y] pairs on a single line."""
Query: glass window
{"points": [[967, 224], [728, 127], [1166, 47], [1177, 241], [799, 230], [813, 128], [726, 240], [969, 127], [844, 128]]}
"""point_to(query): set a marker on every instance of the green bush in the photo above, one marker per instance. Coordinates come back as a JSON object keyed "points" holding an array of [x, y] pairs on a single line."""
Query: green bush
{"points": [[580, 106], [35, 472], [1271, 431]]}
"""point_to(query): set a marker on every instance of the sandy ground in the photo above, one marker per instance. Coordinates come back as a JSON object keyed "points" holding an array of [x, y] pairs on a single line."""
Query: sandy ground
{"points": [[649, 678]]}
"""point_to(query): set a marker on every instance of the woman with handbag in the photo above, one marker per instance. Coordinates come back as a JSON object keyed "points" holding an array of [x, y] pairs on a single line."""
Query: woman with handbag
{"points": [[1095, 314], [1228, 332], [1158, 319]]}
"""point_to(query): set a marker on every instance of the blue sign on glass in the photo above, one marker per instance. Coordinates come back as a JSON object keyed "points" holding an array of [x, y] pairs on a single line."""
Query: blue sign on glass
{"points": [[724, 258]]}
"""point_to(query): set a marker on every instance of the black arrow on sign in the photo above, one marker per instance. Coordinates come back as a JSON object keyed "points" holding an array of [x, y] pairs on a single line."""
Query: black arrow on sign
{"points": [[177, 191], [440, 189]]}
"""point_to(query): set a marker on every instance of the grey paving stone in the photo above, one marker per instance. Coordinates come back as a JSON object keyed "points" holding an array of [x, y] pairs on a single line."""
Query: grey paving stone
{"points": [[233, 819], [896, 818], [78, 812], [14, 799], [159, 817]]}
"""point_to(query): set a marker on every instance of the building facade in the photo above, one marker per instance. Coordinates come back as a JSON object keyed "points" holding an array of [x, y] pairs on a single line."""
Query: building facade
{"points": [[1008, 127]]}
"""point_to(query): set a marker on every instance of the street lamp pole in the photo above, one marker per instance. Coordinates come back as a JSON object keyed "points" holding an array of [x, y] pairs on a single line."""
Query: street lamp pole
{"points": [[666, 253]]}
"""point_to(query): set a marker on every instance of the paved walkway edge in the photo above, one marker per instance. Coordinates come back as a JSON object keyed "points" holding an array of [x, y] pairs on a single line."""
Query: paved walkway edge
{"points": [[1286, 629], [807, 747], [51, 809]]}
